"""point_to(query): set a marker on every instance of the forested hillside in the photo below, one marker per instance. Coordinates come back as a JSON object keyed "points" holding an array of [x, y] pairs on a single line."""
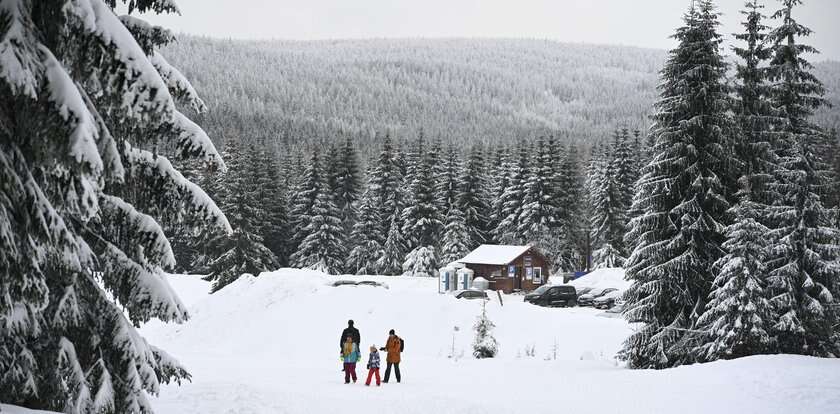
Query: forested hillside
{"points": [[465, 90], [460, 89]]}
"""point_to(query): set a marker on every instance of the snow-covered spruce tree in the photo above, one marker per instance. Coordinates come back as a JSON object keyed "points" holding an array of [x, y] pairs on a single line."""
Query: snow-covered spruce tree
{"points": [[539, 208], [386, 179], [272, 197], [446, 184], [367, 237], [507, 230], [803, 263], [497, 189], [84, 102], [393, 251], [472, 198], [323, 247], [484, 344], [456, 237], [421, 262], [421, 221], [607, 216], [348, 183], [572, 237], [302, 200], [682, 199], [626, 172], [243, 251], [738, 317]]}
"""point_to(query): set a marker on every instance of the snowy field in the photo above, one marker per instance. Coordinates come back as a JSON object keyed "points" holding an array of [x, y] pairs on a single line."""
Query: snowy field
{"points": [[270, 345]]}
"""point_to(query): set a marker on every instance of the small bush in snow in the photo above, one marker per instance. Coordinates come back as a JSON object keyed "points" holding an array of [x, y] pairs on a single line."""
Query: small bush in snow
{"points": [[485, 345]]}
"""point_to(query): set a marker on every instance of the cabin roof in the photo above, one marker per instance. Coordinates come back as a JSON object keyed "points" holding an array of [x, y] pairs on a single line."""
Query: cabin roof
{"points": [[494, 254]]}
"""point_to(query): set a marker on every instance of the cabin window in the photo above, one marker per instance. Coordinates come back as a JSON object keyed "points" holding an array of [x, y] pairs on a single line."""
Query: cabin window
{"points": [[496, 273], [537, 275]]}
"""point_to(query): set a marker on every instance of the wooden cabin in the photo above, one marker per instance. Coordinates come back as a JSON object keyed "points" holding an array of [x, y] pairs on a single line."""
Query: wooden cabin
{"points": [[509, 268]]}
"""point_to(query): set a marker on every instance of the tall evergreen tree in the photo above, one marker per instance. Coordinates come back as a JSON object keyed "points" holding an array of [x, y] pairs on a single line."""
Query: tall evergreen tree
{"points": [[803, 258], [367, 236], [322, 248], [512, 198], [456, 237], [738, 317], [86, 98], [607, 217], [393, 251], [574, 239], [539, 209], [472, 198], [446, 184], [348, 183], [421, 221], [273, 199], [243, 251], [303, 199], [683, 200]]}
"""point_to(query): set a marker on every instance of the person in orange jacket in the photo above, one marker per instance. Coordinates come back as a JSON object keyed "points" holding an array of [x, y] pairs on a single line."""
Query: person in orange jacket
{"points": [[394, 346]]}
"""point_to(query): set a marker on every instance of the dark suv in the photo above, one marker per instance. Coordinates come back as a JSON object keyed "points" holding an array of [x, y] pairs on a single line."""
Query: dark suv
{"points": [[546, 295]]}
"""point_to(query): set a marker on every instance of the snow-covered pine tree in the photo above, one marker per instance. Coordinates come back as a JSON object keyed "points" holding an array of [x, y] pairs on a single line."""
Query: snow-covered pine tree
{"points": [[302, 200], [803, 258], [512, 198], [85, 101], [738, 317], [367, 237], [573, 239], [607, 214], [393, 251], [322, 248], [539, 214], [484, 344], [456, 237], [421, 221], [272, 197], [497, 189], [446, 184], [243, 251], [386, 179], [472, 197], [421, 262], [348, 183], [683, 200], [626, 174]]}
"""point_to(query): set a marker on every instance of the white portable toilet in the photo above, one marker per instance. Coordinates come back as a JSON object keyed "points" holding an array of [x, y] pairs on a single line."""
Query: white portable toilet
{"points": [[465, 277], [480, 283], [446, 276]]}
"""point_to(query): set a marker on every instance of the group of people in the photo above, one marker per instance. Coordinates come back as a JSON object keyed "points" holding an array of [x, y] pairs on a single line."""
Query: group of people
{"points": [[351, 354]]}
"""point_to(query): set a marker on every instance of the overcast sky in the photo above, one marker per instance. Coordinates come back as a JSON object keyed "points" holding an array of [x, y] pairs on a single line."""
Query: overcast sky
{"points": [[646, 23]]}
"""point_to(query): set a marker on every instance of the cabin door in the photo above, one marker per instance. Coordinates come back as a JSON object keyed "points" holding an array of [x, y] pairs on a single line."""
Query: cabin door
{"points": [[517, 280]]}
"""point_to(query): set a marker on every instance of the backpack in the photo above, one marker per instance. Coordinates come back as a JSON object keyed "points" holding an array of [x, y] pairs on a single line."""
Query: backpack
{"points": [[402, 345]]}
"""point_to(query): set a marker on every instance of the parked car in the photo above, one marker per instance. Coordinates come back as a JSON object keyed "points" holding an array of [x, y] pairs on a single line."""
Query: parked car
{"points": [[551, 296], [607, 300], [589, 298], [344, 283], [372, 283], [470, 294]]}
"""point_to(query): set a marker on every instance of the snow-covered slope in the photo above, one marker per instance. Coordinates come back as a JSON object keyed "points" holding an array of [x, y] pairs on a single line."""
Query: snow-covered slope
{"points": [[270, 345]]}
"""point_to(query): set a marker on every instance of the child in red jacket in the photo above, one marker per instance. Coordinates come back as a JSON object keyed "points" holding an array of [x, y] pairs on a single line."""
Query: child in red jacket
{"points": [[373, 366]]}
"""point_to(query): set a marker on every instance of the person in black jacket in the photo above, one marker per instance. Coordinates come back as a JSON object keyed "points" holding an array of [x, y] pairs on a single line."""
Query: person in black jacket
{"points": [[351, 332]]}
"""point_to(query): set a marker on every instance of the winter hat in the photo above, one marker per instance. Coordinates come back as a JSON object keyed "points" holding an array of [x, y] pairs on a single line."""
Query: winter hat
{"points": [[350, 323], [391, 332]]}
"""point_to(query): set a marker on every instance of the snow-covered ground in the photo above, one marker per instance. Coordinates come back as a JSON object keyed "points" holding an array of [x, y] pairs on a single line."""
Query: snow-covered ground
{"points": [[270, 345]]}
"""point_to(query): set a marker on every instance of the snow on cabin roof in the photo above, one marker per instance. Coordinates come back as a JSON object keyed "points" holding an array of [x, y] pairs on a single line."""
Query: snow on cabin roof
{"points": [[494, 254]]}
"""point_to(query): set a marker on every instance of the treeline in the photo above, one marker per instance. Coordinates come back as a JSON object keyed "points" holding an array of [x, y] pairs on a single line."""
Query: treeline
{"points": [[734, 234], [417, 205]]}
